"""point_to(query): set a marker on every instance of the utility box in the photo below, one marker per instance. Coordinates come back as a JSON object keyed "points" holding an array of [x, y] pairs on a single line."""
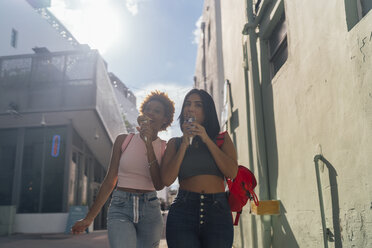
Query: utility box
{"points": [[7, 217], [270, 207]]}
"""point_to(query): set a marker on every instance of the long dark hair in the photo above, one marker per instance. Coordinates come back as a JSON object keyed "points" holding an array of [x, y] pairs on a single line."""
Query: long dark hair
{"points": [[211, 124]]}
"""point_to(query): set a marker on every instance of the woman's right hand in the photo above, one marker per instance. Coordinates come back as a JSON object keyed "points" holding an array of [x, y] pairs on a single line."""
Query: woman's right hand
{"points": [[80, 226], [145, 130]]}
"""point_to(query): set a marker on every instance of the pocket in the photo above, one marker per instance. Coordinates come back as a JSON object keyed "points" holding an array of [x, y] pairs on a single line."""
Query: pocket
{"points": [[177, 202], [154, 201], [118, 201], [221, 205]]}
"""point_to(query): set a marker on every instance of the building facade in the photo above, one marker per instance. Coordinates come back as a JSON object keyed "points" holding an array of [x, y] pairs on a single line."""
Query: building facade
{"points": [[209, 73], [299, 111], [59, 116], [58, 120], [23, 28], [127, 103]]}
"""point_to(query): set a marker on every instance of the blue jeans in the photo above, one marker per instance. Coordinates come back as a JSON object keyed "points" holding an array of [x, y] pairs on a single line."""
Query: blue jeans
{"points": [[200, 220], [134, 220]]}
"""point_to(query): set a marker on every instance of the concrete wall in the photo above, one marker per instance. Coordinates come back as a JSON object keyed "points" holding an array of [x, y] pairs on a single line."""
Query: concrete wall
{"points": [[40, 223], [211, 78], [242, 120], [33, 31], [319, 102]]}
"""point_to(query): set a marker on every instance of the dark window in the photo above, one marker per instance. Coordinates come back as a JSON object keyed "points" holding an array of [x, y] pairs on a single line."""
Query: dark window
{"points": [[278, 49], [54, 169], [8, 143], [356, 10], [99, 172], [257, 6], [42, 170], [209, 33], [366, 6], [31, 171], [14, 38]]}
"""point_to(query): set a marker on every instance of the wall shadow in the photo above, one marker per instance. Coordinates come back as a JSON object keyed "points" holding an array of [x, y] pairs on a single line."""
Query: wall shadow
{"points": [[283, 235]]}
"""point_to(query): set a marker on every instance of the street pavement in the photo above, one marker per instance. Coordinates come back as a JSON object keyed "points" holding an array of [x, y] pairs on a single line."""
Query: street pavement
{"points": [[93, 239]]}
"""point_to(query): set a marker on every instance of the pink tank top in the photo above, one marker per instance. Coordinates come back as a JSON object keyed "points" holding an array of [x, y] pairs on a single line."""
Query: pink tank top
{"points": [[133, 171]]}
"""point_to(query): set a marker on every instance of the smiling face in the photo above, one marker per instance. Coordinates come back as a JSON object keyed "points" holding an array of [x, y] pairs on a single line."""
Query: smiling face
{"points": [[194, 107], [156, 111]]}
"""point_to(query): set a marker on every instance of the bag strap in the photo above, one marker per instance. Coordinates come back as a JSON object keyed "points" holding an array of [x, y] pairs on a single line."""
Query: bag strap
{"points": [[129, 138], [163, 145], [220, 139], [254, 196], [126, 142], [237, 218]]}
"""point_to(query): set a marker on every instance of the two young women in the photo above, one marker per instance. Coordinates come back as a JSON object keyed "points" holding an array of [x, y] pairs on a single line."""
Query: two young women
{"points": [[200, 215]]}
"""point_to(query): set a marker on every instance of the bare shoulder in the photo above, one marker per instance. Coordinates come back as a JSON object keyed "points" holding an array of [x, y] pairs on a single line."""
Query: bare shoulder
{"points": [[120, 139], [171, 145], [172, 140]]}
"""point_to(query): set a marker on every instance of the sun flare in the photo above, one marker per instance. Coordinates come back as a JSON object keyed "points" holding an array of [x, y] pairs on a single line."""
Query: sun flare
{"points": [[96, 23]]}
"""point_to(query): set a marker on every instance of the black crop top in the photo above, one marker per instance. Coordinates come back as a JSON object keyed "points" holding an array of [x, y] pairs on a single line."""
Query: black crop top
{"points": [[197, 161]]}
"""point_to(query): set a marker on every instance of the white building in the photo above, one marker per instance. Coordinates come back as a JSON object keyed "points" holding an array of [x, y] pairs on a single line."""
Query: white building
{"points": [[300, 111], [22, 28], [59, 116]]}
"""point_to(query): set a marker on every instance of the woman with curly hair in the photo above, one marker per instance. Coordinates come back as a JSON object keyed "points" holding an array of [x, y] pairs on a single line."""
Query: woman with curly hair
{"points": [[134, 216]]}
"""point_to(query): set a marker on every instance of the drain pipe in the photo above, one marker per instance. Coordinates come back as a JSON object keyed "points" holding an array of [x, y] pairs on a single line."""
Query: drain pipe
{"points": [[321, 202], [249, 29]]}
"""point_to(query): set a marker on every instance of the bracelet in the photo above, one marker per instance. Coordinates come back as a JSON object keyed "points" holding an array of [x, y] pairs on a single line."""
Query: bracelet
{"points": [[149, 164]]}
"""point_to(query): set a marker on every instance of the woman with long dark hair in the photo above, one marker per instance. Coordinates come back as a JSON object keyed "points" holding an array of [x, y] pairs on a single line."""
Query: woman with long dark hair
{"points": [[200, 215]]}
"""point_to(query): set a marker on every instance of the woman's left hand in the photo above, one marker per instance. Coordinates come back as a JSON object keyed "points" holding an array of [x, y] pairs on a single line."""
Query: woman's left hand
{"points": [[199, 130]]}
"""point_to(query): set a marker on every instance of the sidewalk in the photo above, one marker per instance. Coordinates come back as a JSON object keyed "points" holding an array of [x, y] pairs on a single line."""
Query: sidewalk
{"points": [[96, 239]]}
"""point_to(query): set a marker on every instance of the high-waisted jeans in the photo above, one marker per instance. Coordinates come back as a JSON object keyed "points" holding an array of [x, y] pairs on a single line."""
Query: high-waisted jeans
{"points": [[199, 220], [134, 220]]}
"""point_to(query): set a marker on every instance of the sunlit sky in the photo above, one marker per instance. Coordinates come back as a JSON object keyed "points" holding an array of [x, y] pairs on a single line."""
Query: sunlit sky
{"points": [[148, 44]]}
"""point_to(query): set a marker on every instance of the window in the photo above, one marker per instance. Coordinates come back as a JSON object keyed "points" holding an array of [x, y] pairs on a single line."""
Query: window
{"points": [[257, 6], [278, 49], [209, 33], [14, 38], [366, 6], [54, 169], [42, 170], [356, 10], [8, 145]]}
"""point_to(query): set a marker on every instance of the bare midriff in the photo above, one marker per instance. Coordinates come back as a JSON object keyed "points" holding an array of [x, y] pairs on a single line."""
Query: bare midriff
{"points": [[208, 184], [133, 190]]}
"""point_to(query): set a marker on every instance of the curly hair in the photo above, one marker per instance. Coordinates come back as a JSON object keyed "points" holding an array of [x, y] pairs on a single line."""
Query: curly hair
{"points": [[168, 104]]}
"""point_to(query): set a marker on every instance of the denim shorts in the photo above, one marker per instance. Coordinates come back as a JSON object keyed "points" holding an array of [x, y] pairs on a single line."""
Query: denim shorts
{"points": [[200, 220], [134, 220]]}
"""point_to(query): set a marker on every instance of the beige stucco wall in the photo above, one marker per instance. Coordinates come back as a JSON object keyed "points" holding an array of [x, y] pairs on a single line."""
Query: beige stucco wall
{"points": [[320, 101], [211, 55], [232, 22]]}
